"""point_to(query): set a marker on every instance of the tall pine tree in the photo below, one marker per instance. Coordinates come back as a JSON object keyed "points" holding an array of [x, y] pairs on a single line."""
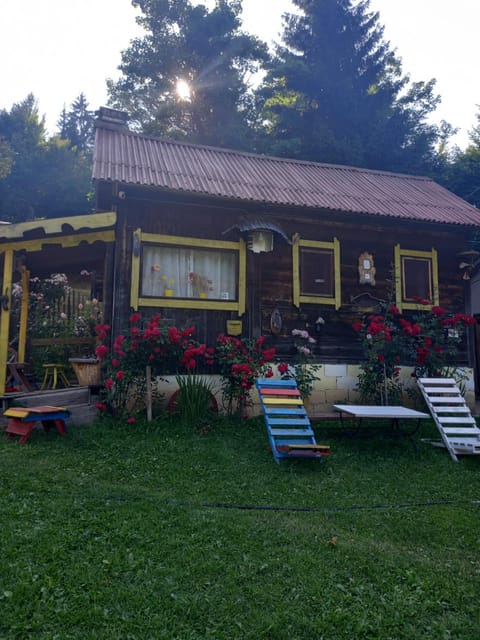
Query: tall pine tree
{"points": [[76, 124], [336, 93], [209, 54]]}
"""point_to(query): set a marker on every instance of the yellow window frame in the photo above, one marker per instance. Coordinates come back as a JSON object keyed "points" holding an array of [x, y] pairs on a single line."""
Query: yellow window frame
{"points": [[425, 255], [298, 298], [137, 301]]}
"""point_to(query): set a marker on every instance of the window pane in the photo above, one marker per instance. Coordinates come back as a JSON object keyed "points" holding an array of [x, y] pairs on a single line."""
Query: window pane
{"points": [[316, 272], [416, 278], [183, 272]]}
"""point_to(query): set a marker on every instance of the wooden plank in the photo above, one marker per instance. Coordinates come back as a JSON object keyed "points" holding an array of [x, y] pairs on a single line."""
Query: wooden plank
{"points": [[25, 411], [265, 383], [446, 400], [16, 412], [311, 447], [461, 430], [286, 401], [294, 411], [38, 342], [280, 392], [288, 421], [457, 420], [292, 432]]}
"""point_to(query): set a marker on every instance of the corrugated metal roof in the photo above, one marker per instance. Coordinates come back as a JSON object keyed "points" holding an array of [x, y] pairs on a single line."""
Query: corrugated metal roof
{"points": [[135, 159]]}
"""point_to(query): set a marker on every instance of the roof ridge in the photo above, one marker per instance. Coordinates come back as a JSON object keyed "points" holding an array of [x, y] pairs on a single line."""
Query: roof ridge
{"points": [[250, 154], [177, 166]]}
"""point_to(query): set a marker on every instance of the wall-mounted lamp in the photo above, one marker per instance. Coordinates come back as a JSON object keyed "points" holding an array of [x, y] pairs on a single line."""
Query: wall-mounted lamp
{"points": [[468, 263], [260, 241], [259, 233], [466, 266]]}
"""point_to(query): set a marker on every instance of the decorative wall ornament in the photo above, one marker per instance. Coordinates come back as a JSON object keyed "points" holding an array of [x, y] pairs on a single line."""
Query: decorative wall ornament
{"points": [[366, 269], [276, 322]]}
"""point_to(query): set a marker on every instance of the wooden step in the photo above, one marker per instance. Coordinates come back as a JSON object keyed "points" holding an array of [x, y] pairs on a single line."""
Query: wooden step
{"points": [[298, 433]]}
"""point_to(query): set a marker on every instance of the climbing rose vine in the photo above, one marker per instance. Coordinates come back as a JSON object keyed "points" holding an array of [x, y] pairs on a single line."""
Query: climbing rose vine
{"points": [[169, 350], [429, 340], [240, 361]]}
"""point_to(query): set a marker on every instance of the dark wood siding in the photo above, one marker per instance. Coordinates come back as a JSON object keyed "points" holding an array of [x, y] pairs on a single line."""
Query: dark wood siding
{"points": [[269, 275]]}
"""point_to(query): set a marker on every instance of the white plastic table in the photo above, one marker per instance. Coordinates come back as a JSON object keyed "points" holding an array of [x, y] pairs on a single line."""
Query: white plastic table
{"points": [[393, 413]]}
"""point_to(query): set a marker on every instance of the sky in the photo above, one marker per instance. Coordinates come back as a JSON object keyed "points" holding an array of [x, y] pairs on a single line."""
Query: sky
{"points": [[57, 49]]}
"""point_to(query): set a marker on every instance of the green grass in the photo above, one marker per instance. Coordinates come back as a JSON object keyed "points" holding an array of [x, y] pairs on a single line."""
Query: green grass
{"points": [[158, 531]]}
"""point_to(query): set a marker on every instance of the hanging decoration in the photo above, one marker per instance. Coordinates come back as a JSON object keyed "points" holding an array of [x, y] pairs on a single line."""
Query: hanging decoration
{"points": [[366, 269], [276, 322]]}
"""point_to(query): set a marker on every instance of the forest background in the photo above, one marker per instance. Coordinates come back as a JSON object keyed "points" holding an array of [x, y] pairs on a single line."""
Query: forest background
{"points": [[332, 90]]}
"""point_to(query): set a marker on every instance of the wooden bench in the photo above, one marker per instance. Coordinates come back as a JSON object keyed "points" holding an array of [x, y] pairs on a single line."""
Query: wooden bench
{"points": [[22, 420]]}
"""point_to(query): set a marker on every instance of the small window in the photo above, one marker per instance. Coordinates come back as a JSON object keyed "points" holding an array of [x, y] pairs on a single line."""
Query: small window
{"points": [[172, 271], [316, 272], [416, 278]]}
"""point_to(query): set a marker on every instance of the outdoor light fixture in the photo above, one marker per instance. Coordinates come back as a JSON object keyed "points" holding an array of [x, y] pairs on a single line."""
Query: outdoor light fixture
{"points": [[258, 233], [468, 263], [260, 241]]}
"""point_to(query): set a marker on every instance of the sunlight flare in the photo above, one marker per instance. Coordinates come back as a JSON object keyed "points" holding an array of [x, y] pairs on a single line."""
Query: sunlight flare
{"points": [[183, 90]]}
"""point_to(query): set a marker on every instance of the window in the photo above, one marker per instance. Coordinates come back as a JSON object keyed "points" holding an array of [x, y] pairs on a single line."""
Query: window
{"points": [[171, 271], [416, 276], [316, 272]]}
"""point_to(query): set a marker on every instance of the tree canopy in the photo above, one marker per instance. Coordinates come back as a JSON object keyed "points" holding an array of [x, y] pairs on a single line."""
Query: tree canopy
{"points": [[76, 124], [209, 54], [39, 176], [462, 174], [335, 92]]}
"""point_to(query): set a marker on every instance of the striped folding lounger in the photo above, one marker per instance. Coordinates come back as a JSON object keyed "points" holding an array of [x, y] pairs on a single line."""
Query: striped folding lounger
{"points": [[289, 430]]}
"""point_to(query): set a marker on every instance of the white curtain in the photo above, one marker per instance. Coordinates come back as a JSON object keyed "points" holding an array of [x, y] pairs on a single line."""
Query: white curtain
{"points": [[188, 273]]}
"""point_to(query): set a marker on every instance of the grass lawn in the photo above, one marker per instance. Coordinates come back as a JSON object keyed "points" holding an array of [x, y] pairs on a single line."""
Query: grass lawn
{"points": [[156, 531]]}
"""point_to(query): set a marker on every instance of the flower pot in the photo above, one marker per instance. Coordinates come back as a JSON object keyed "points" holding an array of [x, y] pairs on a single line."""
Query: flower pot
{"points": [[169, 293], [202, 294], [87, 370]]}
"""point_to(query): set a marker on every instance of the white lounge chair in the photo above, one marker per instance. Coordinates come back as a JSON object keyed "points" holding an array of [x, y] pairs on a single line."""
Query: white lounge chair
{"points": [[458, 428]]}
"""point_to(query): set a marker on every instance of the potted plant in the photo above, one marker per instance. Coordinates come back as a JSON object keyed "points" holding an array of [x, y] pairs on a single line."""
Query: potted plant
{"points": [[200, 284], [87, 368]]}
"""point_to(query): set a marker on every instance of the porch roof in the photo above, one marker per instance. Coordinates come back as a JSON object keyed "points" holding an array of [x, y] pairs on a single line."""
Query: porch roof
{"points": [[129, 158], [47, 227]]}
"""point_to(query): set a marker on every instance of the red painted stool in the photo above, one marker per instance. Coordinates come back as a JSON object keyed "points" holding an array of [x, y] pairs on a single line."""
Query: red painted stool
{"points": [[22, 420]]}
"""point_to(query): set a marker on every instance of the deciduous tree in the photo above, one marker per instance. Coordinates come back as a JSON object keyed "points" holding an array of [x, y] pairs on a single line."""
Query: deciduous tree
{"points": [[210, 56], [43, 177]]}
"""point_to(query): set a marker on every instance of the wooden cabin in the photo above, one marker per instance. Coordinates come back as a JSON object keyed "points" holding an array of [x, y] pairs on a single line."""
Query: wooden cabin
{"points": [[253, 245]]}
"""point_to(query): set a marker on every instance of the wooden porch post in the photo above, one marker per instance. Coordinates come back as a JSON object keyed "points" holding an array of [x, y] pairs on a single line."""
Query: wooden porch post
{"points": [[5, 316], [22, 337]]}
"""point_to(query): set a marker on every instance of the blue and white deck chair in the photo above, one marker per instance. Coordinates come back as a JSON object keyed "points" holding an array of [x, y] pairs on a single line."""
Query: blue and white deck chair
{"points": [[289, 430]]}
